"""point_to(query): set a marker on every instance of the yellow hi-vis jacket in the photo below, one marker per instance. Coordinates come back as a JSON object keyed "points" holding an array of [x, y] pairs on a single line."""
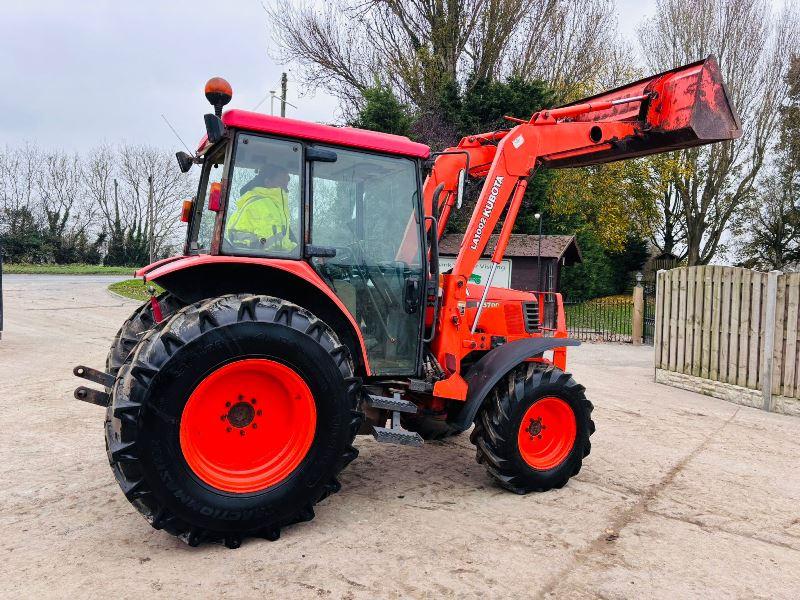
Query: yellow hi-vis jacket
{"points": [[261, 220]]}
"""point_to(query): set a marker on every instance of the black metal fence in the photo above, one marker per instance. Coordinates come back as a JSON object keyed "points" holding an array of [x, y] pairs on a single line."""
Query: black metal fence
{"points": [[600, 319], [649, 317], [608, 319]]}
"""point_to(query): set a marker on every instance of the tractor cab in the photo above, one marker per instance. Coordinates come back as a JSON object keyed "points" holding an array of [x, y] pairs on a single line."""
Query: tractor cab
{"points": [[346, 202]]}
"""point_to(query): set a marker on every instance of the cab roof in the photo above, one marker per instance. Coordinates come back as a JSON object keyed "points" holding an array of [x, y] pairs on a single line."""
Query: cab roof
{"points": [[361, 139]]}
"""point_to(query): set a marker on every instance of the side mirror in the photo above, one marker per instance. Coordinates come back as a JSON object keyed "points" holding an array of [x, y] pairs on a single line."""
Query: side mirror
{"points": [[184, 161], [462, 180], [215, 129]]}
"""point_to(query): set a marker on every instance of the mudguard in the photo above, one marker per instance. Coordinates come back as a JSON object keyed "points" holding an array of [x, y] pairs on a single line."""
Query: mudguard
{"points": [[490, 369], [193, 278]]}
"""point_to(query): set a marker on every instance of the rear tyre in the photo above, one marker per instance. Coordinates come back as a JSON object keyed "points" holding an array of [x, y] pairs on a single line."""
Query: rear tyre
{"points": [[132, 330], [233, 419], [532, 432]]}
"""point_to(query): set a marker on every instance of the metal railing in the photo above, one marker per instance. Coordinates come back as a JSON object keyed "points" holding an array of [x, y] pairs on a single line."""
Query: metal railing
{"points": [[600, 319]]}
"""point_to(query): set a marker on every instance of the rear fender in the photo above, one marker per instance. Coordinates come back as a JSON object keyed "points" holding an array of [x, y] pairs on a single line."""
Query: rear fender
{"points": [[195, 278], [490, 369]]}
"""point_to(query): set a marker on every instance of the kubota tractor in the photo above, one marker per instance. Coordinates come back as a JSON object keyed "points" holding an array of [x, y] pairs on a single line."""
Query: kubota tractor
{"points": [[233, 398]]}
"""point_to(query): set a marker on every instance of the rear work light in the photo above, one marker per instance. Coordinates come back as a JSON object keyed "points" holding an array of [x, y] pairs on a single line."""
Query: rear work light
{"points": [[186, 210], [215, 196]]}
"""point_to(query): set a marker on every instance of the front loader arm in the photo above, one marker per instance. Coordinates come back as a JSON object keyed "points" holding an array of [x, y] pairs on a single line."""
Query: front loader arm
{"points": [[680, 108]]}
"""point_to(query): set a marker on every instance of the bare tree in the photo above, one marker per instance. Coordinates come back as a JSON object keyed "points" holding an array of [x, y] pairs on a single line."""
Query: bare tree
{"points": [[136, 164], [416, 46], [62, 192], [752, 45], [19, 168], [99, 173], [574, 46]]}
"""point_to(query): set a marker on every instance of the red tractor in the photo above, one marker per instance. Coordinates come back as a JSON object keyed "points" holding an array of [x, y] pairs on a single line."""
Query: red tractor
{"points": [[234, 398]]}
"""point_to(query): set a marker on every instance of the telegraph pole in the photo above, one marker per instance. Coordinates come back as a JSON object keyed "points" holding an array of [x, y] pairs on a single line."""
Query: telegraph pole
{"points": [[116, 202], [150, 216], [284, 81]]}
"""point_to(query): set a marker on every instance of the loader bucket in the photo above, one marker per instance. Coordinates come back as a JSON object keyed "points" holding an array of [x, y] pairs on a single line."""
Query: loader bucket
{"points": [[688, 106]]}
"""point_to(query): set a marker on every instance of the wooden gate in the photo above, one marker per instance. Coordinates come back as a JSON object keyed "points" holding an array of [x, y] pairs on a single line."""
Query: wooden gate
{"points": [[730, 332]]}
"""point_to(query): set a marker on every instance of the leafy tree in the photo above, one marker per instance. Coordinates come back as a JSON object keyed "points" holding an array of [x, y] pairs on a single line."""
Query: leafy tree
{"points": [[769, 225], [116, 246], [602, 272], [382, 111], [482, 107], [593, 277], [486, 102], [23, 240], [608, 198]]}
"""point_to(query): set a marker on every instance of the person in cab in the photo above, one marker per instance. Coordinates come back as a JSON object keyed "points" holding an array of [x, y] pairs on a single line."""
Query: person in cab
{"points": [[261, 220]]}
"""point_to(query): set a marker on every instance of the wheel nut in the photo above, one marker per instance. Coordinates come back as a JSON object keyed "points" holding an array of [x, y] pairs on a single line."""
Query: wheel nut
{"points": [[228, 404], [228, 429], [255, 425], [253, 401], [241, 432], [258, 412]]}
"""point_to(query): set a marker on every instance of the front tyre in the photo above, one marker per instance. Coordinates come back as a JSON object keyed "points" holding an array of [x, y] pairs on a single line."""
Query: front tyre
{"points": [[532, 432], [233, 419]]}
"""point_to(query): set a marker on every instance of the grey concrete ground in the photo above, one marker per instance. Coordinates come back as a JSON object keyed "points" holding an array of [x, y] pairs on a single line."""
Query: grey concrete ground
{"points": [[683, 496]]}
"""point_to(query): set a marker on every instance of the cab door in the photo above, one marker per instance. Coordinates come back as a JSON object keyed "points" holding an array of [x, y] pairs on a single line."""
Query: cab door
{"points": [[365, 208]]}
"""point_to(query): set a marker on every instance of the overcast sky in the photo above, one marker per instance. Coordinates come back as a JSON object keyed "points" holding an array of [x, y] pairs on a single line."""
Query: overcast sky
{"points": [[76, 73]]}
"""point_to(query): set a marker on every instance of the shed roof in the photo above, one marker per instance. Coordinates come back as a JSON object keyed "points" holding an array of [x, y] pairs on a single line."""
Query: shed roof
{"points": [[522, 245]]}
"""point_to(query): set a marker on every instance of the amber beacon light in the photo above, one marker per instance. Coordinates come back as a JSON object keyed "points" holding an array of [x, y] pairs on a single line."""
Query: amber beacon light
{"points": [[218, 92]]}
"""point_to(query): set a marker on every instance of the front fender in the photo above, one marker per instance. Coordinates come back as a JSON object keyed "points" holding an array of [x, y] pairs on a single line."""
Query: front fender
{"points": [[490, 369]]}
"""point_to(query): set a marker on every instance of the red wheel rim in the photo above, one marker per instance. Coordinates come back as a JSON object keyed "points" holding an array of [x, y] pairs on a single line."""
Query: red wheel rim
{"points": [[248, 425], [546, 433]]}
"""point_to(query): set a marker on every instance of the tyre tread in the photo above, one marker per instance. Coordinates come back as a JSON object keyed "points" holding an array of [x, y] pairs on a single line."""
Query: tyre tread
{"points": [[494, 434], [153, 351]]}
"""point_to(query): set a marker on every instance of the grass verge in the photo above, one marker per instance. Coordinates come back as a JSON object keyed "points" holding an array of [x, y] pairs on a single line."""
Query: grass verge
{"points": [[133, 288], [75, 269]]}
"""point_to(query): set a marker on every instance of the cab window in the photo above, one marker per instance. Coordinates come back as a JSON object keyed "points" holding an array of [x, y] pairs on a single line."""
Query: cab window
{"points": [[263, 213], [364, 207], [212, 174]]}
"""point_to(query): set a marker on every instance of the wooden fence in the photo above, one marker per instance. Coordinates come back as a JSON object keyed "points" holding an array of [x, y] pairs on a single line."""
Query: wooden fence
{"points": [[731, 333]]}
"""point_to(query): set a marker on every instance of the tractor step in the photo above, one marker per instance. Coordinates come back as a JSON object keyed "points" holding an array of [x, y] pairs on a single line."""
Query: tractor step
{"points": [[393, 404], [395, 434], [390, 435]]}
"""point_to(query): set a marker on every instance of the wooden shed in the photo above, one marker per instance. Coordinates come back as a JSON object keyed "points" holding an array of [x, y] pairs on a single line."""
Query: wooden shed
{"points": [[521, 259]]}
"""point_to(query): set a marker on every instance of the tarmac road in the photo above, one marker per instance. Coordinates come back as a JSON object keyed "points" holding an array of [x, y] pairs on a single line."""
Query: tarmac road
{"points": [[683, 495]]}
